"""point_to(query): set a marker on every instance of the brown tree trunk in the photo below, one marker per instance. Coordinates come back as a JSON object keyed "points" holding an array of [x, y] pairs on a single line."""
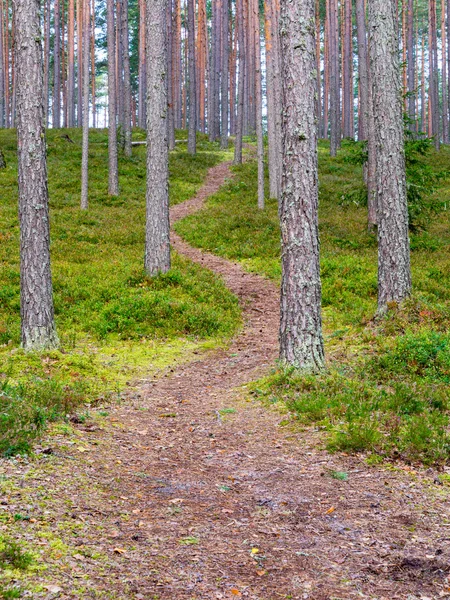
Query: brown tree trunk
{"points": [[157, 245], [192, 134], [411, 66], [92, 41], [142, 66], [241, 83], [113, 174], [36, 300], [445, 132], [394, 270], [57, 69], [434, 76], [79, 63], [126, 79], [71, 64], [224, 75], [46, 61], [2, 68], [335, 114], [258, 105], [85, 112], [347, 70], [301, 342]]}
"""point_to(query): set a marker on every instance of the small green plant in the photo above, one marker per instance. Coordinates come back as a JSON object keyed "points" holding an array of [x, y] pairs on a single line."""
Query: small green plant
{"points": [[12, 555]]}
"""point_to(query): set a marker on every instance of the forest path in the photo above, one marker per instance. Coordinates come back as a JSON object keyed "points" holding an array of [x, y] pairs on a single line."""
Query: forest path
{"points": [[191, 491]]}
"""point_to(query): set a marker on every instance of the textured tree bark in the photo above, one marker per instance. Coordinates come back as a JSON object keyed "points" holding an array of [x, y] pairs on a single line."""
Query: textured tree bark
{"points": [[301, 342], [347, 71], [367, 131], [394, 270], [232, 71], [71, 64], [46, 61], [126, 80], [2, 69], [445, 133], [170, 115], [224, 75], [37, 314], [318, 68], [434, 76], [142, 67], [423, 111], [94, 93], [7, 68], [202, 64], [157, 241], [241, 83], [80, 52], [57, 68], [411, 65], [258, 104], [192, 133], [335, 113], [176, 65], [85, 112], [113, 171]]}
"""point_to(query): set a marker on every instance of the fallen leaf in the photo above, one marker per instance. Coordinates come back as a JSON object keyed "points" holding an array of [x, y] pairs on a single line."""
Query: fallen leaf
{"points": [[255, 550], [235, 592], [53, 589], [119, 551], [330, 510]]}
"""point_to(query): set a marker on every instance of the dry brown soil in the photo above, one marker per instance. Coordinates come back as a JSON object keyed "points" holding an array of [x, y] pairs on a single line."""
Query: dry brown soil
{"points": [[189, 490]]}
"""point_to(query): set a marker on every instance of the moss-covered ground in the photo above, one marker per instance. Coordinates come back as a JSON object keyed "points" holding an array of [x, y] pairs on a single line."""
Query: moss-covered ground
{"points": [[386, 391], [115, 323]]}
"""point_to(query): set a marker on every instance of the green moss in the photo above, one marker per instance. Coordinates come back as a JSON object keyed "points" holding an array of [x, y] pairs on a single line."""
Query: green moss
{"points": [[115, 323]]}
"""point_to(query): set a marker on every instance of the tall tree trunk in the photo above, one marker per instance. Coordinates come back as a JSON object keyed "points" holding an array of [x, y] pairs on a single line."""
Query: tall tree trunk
{"points": [[142, 66], [394, 270], [176, 65], [71, 64], [46, 60], [411, 66], [126, 80], [57, 69], [367, 119], [79, 63], [85, 151], [157, 245], [241, 83], [273, 98], [434, 76], [258, 104], [2, 68], [63, 69], [224, 75], [113, 175], [94, 93], [7, 66], [170, 114], [445, 132], [423, 111], [36, 296], [232, 71], [192, 135], [347, 71], [202, 62], [335, 113], [301, 342]]}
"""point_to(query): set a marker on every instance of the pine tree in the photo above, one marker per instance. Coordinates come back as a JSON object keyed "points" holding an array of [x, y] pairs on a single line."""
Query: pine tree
{"points": [[157, 244], [113, 173], [394, 270], [301, 343], [36, 299]]}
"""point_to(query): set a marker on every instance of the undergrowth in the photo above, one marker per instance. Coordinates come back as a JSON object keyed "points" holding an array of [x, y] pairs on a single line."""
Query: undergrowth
{"points": [[387, 388], [115, 323]]}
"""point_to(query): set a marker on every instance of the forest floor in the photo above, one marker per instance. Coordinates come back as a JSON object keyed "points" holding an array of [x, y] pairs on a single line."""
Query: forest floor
{"points": [[188, 489]]}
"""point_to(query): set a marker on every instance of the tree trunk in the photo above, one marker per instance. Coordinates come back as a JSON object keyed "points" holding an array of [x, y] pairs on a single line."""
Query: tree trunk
{"points": [[241, 83], [57, 69], [434, 76], [192, 134], [113, 176], [92, 41], [224, 75], [335, 113], [394, 271], [37, 314], [71, 64], [80, 52], [2, 69], [126, 80], [85, 112], [46, 60], [258, 104], [170, 114], [347, 71], [445, 132], [411, 66], [142, 66], [157, 244], [301, 342]]}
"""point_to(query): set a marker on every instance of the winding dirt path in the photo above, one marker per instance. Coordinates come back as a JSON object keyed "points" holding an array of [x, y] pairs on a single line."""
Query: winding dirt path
{"points": [[194, 492]]}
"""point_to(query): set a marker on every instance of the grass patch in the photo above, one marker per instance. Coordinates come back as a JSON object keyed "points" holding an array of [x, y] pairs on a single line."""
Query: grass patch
{"points": [[114, 322], [387, 388]]}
